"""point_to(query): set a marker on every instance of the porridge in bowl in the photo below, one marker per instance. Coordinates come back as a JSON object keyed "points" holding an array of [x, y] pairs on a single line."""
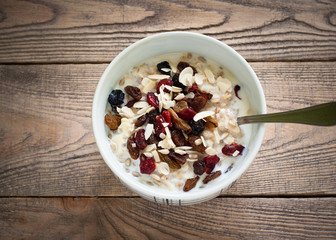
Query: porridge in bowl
{"points": [[172, 122]]}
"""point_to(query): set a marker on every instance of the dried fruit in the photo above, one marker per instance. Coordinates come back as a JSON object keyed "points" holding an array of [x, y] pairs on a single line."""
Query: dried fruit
{"points": [[187, 114], [178, 137], [140, 140], [212, 176], [180, 159], [210, 163], [147, 165], [166, 115], [190, 183], [177, 83], [134, 92], [112, 121], [158, 126], [199, 148], [183, 65], [152, 99], [229, 150], [178, 122], [197, 127], [116, 97], [141, 120], [236, 89], [152, 116], [130, 103], [199, 167], [171, 163], [211, 122], [193, 87], [164, 82], [198, 102], [163, 67], [133, 151], [180, 106]]}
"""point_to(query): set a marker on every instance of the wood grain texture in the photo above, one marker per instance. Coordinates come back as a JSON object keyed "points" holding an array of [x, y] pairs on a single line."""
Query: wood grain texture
{"points": [[221, 218], [96, 31], [47, 146]]}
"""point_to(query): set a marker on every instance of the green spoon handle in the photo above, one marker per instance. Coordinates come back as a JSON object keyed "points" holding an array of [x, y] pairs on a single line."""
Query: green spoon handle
{"points": [[320, 115]]}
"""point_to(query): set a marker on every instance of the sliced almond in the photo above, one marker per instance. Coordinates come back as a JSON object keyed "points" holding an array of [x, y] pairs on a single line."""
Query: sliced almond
{"points": [[203, 141], [140, 104], [156, 156], [149, 130], [150, 147], [176, 89], [158, 76], [162, 135], [148, 154], [223, 84], [198, 142], [202, 115], [164, 151], [209, 75], [163, 168], [181, 152], [179, 97], [199, 78], [186, 76]]}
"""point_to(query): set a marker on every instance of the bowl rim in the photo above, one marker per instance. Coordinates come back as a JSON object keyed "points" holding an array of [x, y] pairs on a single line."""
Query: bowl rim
{"points": [[140, 188]]}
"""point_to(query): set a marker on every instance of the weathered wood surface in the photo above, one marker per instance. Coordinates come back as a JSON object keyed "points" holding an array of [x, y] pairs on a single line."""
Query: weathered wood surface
{"points": [[96, 31], [47, 147], [127, 218]]}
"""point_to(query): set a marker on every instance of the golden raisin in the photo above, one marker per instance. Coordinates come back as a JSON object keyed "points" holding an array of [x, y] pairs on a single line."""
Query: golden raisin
{"points": [[112, 121]]}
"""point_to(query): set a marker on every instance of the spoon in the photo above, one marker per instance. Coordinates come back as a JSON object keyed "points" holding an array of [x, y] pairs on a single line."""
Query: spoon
{"points": [[320, 115]]}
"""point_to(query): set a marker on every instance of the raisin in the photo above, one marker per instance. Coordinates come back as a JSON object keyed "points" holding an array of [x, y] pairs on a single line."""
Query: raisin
{"points": [[236, 89], [212, 176], [199, 167], [210, 163], [197, 127], [178, 137], [199, 148], [198, 102], [152, 99], [177, 83], [161, 67], [171, 163], [229, 150], [180, 106], [141, 120], [178, 122], [183, 65], [193, 87], [140, 140], [152, 116], [133, 151], [180, 159], [153, 139], [187, 114], [116, 97], [130, 103], [164, 82], [211, 122], [190, 183], [134, 92], [112, 121], [147, 165]]}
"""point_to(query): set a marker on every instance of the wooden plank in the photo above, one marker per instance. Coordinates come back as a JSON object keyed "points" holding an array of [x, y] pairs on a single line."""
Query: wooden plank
{"points": [[96, 31], [47, 147], [135, 218]]}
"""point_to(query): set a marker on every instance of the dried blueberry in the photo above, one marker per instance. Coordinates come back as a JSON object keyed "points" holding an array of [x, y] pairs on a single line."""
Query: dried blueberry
{"points": [[164, 67], [197, 127], [177, 83], [116, 97]]}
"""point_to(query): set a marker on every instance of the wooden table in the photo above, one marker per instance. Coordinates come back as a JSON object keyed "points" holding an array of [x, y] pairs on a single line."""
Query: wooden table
{"points": [[55, 185]]}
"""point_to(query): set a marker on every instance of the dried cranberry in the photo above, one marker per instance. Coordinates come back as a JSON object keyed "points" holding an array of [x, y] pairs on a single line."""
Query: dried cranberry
{"points": [[236, 89], [177, 83], [152, 116], [130, 103], [210, 163], [161, 67], [229, 150], [152, 99], [193, 87], [197, 127], [187, 114], [140, 140], [167, 118], [199, 167], [164, 82], [158, 126], [147, 165]]}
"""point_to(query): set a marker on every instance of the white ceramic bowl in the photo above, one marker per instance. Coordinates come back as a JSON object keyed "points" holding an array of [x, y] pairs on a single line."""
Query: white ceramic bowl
{"points": [[171, 42]]}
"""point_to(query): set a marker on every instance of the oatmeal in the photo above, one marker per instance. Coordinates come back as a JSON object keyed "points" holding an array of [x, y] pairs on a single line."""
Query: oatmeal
{"points": [[172, 121]]}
